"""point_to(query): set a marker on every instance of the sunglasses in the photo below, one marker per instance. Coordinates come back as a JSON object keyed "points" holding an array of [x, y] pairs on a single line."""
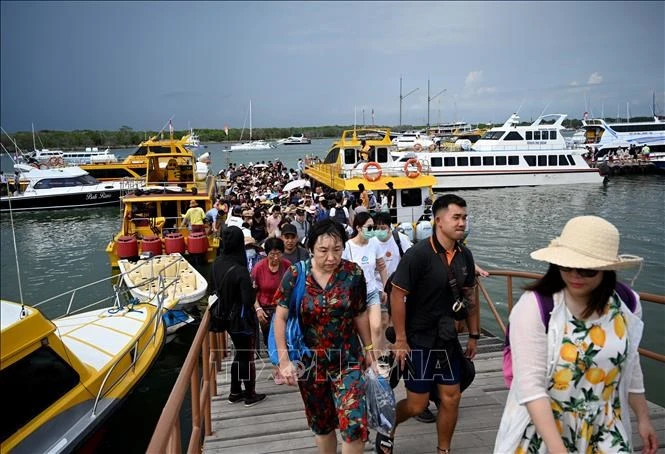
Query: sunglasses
{"points": [[580, 271], [369, 228]]}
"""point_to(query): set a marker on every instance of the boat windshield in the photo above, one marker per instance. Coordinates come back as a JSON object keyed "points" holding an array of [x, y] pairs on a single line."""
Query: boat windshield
{"points": [[493, 135], [83, 180]]}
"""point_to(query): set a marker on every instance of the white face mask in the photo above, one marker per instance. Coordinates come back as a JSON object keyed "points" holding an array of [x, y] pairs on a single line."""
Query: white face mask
{"points": [[251, 253]]}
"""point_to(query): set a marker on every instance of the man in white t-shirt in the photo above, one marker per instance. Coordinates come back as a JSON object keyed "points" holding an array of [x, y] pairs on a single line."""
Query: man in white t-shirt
{"points": [[387, 244]]}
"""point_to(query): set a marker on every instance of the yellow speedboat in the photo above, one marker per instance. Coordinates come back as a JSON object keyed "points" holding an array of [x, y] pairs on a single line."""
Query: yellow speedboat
{"points": [[60, 379], [136, 164], [152, 218], [342, 170]]}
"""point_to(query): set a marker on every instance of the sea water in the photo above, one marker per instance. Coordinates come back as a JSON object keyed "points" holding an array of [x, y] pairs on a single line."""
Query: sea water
{"points": [[61, 250]]}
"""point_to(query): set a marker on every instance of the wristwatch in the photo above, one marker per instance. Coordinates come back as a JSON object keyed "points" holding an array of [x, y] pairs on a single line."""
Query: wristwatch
{"points": [[474, 336]]}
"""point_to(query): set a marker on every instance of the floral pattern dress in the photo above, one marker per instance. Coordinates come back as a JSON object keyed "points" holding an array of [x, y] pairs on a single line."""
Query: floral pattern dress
{"points": [[331, 382], [584, 387]]}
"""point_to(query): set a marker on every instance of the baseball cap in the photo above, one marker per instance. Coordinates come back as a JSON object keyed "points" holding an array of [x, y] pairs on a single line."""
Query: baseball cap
{"points": [[289, 229]]}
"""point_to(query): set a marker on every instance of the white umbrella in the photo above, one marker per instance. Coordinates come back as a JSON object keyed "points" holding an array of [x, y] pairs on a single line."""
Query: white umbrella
{"points": [[260, 166], [295, 184]]}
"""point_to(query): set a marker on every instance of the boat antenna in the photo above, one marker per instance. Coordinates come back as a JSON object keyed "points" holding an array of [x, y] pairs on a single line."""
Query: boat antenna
{"points": [[546, 107], [517, 112], [23, 313]]}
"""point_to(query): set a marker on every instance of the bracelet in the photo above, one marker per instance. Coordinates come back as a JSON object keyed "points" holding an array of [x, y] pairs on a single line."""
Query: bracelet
{"points": [[369, 347], [474, 336], [258, 309]]}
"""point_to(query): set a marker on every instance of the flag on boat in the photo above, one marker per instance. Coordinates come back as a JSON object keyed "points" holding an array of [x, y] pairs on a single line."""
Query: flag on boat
{"points": [[586, 115], [226, 130]]}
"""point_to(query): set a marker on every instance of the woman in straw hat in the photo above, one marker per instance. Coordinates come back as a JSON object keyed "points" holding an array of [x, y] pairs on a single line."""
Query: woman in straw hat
{"points": [[575, 378]]}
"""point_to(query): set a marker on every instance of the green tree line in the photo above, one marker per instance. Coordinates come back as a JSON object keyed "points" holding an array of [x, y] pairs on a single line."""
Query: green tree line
{"points": [[126, 137]]}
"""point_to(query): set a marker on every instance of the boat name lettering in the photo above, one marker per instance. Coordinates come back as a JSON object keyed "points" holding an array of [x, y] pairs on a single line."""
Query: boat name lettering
{"points": [[98, 196]]}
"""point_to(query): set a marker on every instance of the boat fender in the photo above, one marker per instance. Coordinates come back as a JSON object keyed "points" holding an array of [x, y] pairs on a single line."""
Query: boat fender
{"points": [[374, 175], [417, 147], [413, 173]]}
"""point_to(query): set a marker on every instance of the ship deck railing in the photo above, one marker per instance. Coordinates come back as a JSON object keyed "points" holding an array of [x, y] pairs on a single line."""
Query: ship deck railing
{"points": [[280, 424]]}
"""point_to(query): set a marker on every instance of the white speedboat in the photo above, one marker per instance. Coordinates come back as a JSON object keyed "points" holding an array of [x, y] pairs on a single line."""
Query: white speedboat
{"points": [[296, 140], [170, 277], [610, 136], [66, 187], [252, 144], [545, 133], [414, 140]]}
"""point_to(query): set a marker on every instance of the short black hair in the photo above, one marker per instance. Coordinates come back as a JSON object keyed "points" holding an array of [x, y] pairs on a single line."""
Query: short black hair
{"points": [[442, 202], [326, 227], [273, 243], [361, 187], [382, 218], [360, 219]]}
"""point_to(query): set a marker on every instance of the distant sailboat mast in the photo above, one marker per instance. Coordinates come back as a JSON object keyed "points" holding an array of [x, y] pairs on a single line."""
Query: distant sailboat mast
{"points": [[250, 121]]}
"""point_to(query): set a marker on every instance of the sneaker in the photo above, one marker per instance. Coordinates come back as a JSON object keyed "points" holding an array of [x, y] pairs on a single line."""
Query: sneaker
{"points": [[234, 398], [254, 399], [426, 416]]}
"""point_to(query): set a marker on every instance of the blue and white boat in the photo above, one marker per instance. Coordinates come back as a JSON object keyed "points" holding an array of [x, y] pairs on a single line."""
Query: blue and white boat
{"points": [[611, 136]]}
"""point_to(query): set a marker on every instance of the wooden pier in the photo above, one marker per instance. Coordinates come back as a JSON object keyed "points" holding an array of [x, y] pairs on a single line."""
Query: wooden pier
{"points": [[278, 424]]}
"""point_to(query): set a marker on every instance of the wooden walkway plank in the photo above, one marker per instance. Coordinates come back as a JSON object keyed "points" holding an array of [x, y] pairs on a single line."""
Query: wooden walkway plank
{"points": [[278, 424]]}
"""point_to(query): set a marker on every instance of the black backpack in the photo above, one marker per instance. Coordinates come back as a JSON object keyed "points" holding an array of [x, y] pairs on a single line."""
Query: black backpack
{"points": [[340, 216]]}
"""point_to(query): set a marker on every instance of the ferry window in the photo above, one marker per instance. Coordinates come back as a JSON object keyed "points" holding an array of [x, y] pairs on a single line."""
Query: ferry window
{"points": [[141, 151], [382, 154], [513, 135], [530, 160], [544, 135], [436, 162], [349, 156], [542, 160], [529, 135], [160, 150], [331, 158], [513, 160], [449, 162], [44, 377], [493, 135], [487, 160], [500, 160], [87, 180], [475, 160], [462, 161], [551, 160], [571, 160], [562, 160], [536, 135], [552, 135], [412, 197]]}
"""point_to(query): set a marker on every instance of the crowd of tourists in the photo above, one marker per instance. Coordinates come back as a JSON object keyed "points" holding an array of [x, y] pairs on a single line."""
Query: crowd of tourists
{"points": [[358, 278]]}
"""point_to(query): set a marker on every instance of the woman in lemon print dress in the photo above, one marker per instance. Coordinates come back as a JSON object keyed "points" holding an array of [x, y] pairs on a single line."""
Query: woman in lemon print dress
{"points": [[574, 380]]}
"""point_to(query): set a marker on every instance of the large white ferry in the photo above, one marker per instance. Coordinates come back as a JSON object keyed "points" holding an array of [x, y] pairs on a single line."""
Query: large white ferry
{"points": [[610, 136], [509, 155]]}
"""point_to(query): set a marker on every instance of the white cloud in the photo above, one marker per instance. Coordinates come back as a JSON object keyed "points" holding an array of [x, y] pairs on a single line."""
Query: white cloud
{"points": [[485, 90], [474, 78], [595, 78], [574, 83]]}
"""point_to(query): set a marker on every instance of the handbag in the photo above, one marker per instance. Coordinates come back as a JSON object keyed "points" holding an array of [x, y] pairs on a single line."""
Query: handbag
{"points": [[460, 310], [295, 340]]}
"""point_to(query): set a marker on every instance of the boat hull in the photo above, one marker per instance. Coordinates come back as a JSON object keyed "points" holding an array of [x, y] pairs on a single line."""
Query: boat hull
{"points": [[482, 180], [41, 201]]}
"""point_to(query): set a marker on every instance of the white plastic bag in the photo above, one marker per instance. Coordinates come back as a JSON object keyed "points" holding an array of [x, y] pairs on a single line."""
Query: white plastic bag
{"points": [[380, 401]]}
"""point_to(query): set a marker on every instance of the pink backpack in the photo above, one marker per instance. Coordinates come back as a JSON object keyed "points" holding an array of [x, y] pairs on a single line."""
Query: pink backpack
{"points": [[546, 304]]}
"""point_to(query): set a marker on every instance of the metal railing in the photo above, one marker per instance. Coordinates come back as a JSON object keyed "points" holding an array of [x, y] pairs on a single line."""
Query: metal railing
{"points": [[510, 274], [208, 349]]}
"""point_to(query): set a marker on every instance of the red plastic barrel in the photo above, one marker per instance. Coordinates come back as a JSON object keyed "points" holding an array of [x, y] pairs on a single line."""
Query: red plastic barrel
{"points": [[197, 243], [151, 244], [174, 242], [127, 247]]}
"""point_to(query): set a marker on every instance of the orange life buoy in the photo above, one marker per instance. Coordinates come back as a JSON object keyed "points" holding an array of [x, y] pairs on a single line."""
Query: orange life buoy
{"points": [[374, 175], [417, 147], [412, 173]]}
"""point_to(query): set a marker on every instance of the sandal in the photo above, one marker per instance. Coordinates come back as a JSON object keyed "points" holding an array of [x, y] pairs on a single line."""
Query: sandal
{"points": [[383, 444], [443, 450]]}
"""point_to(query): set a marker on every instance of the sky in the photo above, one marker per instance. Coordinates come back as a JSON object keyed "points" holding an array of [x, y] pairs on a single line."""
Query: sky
{"points": [[103, 65]]}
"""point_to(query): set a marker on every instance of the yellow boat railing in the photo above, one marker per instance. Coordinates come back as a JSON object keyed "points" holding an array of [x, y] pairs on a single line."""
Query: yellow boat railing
{"points": [[210, 349]]}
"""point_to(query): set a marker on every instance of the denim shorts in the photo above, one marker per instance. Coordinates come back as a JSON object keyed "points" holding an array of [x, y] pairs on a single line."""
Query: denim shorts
{"points": [[373, 298]]}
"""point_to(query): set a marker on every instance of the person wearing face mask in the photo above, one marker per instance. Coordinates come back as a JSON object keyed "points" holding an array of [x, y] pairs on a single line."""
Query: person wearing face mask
{"points": [[364, 250], [252, 250]]}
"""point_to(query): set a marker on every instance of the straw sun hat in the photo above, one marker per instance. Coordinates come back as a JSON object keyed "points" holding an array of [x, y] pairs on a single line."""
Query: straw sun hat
{"points": [[587, 242]]}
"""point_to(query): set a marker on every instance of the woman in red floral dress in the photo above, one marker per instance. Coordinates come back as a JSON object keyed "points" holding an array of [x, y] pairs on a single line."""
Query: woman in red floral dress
{"points": [[334, 320]]}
